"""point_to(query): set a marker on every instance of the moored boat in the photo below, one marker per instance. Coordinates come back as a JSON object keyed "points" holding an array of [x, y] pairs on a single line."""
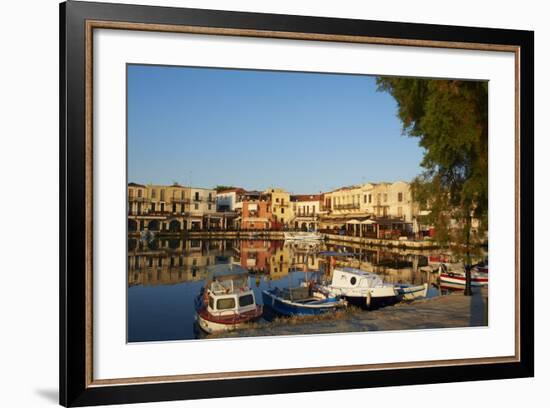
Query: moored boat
{"points": [[226, 303], [411, 292], [303, 236], [457, 276], [300, 300], [360, 288]]}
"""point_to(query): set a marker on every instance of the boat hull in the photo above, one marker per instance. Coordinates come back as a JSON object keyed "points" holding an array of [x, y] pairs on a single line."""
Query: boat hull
{"points": [[413, 292], [211, 327], [373, 302], [287, 308], [460, 279], [216, 324]]}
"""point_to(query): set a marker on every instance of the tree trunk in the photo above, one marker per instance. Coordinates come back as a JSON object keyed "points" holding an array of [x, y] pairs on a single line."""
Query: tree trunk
{"points": [[468, 263]]}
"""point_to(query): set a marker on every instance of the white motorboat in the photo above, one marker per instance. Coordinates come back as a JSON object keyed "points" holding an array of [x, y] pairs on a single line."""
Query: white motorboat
{"points": [[360, 288]]}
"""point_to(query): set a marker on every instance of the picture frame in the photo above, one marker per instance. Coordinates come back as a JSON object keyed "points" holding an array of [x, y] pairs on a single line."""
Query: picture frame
{"points": [[78, 20]]}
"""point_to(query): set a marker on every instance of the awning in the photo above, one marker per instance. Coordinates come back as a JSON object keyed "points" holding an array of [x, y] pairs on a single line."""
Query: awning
{"points": [[368, 222], [353, 222]]}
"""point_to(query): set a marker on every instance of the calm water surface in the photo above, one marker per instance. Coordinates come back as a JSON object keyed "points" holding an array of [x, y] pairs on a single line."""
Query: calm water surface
{"points": [[165, 275]]}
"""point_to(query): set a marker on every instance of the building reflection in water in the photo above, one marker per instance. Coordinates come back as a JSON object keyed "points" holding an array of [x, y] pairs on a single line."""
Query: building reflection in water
{"points": [[174, 261]]}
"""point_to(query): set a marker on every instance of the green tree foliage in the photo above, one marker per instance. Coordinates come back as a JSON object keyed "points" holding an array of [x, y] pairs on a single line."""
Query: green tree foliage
{"points": [[450, 120], [219, 188]]}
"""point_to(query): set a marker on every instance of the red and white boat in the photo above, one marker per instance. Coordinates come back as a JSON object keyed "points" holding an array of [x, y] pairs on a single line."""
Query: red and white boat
{"points": [[457, 275], [226, 303]]}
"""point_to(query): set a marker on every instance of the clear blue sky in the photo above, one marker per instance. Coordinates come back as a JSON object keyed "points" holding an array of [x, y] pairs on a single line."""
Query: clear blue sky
{"points": [[305, 132]]}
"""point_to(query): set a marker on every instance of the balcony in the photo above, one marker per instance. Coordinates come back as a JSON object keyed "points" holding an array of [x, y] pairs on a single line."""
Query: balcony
{"points": [[138, 199], [352, 206], [181, 200]]}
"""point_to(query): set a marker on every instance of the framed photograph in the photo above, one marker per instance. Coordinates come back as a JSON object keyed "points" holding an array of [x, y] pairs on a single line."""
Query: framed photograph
{"points": [[257, 204]]}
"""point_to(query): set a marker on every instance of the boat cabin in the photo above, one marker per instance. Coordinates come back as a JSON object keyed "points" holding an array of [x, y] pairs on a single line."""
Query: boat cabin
{"points": [[350, 278], [230, 296]]}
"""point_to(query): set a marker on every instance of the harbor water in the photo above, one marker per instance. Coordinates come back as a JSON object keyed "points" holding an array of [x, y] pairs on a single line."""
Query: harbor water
{"points": [[166, 275]]}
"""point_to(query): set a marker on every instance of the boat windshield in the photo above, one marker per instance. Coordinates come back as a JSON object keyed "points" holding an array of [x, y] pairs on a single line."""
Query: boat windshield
{"points": [[246, 300], [225, 303], [228, 285]]}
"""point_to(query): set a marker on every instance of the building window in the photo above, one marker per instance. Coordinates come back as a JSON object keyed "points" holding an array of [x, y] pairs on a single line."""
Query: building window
{"points": [[196, 206], [282, 210], [385, 197], [209, 206], [130, 193], [196, 196], [140, 192], [161, 195], [399, 197], [370, 198], [399, 211], [276, 200], [153, 207], [153, 193], [365, 199]]}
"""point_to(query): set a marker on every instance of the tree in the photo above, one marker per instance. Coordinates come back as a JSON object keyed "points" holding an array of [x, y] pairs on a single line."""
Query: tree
{"points": [[219, 188], [450, 119]]}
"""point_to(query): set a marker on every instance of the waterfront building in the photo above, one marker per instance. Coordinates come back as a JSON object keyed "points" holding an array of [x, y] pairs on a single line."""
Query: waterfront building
{"points": [[393, 200], [202, 210], [229, 203], [255, 209], [282, 212], [369, 201], [307, 209], [173, 208], [156, 207], [227, 200]]}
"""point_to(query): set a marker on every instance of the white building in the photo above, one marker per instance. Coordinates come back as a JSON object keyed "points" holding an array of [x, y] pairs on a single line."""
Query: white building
{"points": [[226, 200], [307, 210]]}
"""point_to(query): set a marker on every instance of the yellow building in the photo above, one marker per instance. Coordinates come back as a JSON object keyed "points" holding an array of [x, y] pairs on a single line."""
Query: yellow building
{"points": [[280, 206]]}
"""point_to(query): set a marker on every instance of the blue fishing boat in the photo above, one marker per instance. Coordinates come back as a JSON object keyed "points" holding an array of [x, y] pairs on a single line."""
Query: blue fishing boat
{"points": [[300, 301]]}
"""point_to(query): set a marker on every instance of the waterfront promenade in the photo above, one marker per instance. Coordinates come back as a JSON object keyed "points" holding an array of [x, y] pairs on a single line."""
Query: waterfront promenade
{"points": [[279, 235], [450, 311]]}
